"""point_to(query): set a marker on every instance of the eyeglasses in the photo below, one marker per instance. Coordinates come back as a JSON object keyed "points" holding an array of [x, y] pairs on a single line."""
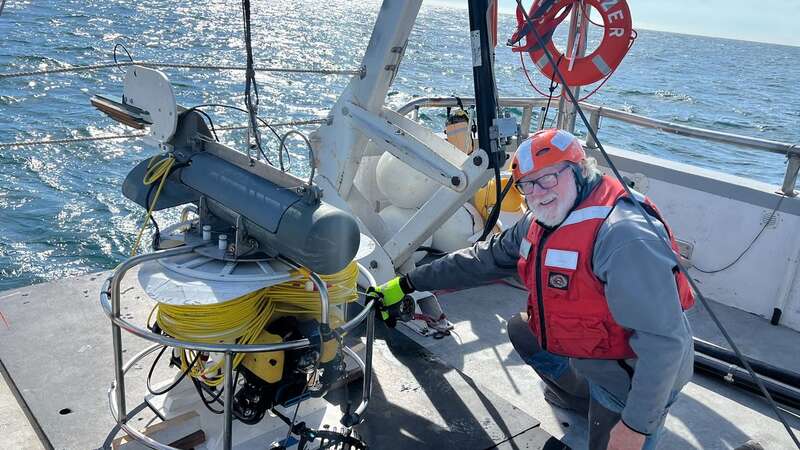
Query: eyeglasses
{"points": [[545, 182]]}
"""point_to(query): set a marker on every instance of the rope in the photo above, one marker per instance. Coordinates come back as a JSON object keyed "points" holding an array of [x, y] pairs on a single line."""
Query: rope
{"points": [[178, 66], [64, 69], [251, 98], [157, 171], [71, 140], [138, 135]]}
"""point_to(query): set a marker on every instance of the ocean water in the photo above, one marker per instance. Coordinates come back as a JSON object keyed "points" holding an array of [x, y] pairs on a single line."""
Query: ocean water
{"points": [[61, 208]]}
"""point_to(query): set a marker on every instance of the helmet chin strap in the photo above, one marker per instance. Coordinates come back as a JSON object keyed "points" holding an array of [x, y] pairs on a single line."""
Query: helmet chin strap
{"points": [[583, 186]]}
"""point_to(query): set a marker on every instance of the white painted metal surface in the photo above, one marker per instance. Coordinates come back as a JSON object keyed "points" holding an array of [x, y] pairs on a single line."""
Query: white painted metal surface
{"points": [[720, 226], [194, 279], [360, 126], [150, 90], [412, 144]]}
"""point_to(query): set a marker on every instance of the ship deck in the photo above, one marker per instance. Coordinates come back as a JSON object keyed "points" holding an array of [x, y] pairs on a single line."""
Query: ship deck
{"points": [[475, 390], [709, 413], [57, 358]]}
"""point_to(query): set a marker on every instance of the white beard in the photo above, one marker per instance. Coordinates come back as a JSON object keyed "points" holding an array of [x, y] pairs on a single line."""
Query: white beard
{"points": [[554, 213]]}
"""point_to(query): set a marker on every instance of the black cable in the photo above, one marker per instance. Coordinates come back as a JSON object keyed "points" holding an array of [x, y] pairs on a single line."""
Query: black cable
{"points": [[157, 233], [200, 387], [222, 105], [210, 122], [312, 158], [250, 85], [263, 122], [491, 220], [495, 213], [553, 85], [308, 383], [652, 226], [300, 397], [172, 386], [766, 224], [114, 55]]}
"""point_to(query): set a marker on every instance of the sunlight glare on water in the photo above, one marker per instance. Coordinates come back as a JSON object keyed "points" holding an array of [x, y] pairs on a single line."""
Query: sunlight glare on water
{"points": [[61, 208]]}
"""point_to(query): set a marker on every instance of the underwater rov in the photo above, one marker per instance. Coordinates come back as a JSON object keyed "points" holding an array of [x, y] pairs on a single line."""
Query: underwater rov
{"points": [[251, 287]]}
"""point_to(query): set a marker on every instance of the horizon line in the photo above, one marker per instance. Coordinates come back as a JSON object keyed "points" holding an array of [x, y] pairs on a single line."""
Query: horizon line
{"points": [[444, 4]]}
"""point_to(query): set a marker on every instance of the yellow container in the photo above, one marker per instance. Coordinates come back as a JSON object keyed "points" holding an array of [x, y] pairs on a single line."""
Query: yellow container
{"points": [[459, 132], [486, 197], [267, 365]]}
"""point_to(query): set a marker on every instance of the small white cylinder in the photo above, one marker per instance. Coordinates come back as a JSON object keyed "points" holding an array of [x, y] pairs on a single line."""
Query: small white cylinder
{"points": [[206, 232], [223, 242]]}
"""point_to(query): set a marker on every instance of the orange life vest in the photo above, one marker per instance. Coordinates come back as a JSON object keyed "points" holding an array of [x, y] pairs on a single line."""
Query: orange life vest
{"points": [[567, 306]]}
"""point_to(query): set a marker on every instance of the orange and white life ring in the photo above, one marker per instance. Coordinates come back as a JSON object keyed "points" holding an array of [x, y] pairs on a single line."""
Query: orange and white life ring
{"points": [[546, 15]]}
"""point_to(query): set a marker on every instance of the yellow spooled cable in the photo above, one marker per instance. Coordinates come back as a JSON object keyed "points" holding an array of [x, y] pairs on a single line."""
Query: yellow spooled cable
{"points": [[243, 319]]}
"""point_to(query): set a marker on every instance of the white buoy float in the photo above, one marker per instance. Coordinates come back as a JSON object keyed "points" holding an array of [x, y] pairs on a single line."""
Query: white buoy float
{"points": [[403, 185], [461, 230]]}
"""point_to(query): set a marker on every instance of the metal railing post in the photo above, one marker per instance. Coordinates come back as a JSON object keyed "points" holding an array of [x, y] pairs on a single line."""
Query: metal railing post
{"points": [[594, 122], [790, 178], [525, 123], [229, 387], [116, 336]]}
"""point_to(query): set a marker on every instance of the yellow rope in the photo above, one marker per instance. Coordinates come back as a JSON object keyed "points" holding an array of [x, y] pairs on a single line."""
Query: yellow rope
{"points": [[243, 319], [157, 169]]}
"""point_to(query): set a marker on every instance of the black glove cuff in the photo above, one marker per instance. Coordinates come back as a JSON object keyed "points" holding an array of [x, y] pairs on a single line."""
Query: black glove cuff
{"points": [[405, 285]]}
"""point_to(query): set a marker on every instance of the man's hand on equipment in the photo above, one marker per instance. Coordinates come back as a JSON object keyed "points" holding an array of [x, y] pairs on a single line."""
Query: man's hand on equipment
{"points": [[393, 301], [623, 438]]}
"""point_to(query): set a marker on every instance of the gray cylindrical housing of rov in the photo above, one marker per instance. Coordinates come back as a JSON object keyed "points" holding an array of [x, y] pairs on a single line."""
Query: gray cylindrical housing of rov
{"points": [[317, 235]]}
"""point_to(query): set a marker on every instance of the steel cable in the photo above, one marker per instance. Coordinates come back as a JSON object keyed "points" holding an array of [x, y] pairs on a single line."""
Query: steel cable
{"points": [[178, 66], [139, 135]]}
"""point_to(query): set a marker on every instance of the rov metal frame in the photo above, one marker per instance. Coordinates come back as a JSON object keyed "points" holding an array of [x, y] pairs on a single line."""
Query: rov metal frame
{"points": [[110, 299]]}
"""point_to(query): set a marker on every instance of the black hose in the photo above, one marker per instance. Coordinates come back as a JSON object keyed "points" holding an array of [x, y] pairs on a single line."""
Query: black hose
{"points": [[495, 213], [732, 373], [491, 220], [768, 370]]}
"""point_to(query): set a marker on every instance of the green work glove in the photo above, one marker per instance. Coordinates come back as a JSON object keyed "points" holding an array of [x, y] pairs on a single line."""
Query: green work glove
{"points": [[393, 301]]}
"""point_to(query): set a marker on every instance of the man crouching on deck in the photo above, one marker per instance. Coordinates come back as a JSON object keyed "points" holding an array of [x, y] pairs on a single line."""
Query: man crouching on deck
{"points": [[605, 327]]}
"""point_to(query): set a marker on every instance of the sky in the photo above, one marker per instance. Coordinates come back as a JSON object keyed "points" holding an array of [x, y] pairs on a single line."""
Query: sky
{"points": [[773, 21]]}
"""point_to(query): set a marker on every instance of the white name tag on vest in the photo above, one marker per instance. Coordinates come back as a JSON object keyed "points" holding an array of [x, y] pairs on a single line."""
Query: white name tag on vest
{"points": [[524, 248], [563, 259]]}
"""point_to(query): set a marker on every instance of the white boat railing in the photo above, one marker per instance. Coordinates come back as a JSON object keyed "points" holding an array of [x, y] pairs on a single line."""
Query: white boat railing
{"points": [[791, 151]]}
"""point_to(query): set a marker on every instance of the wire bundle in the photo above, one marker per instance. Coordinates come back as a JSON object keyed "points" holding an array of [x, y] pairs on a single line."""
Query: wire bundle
{"points": [[243, 319]]}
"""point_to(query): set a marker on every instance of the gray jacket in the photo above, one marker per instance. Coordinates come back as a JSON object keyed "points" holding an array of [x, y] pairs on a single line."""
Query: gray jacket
{"points": [[636, 269]]}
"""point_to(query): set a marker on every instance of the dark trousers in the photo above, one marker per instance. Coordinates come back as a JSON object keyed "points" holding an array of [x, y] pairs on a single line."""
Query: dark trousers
{"points": [[565, 388]]}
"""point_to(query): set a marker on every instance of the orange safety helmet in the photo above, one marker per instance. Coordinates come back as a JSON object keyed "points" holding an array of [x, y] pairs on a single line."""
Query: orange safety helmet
{"points": [[544, 149]]}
